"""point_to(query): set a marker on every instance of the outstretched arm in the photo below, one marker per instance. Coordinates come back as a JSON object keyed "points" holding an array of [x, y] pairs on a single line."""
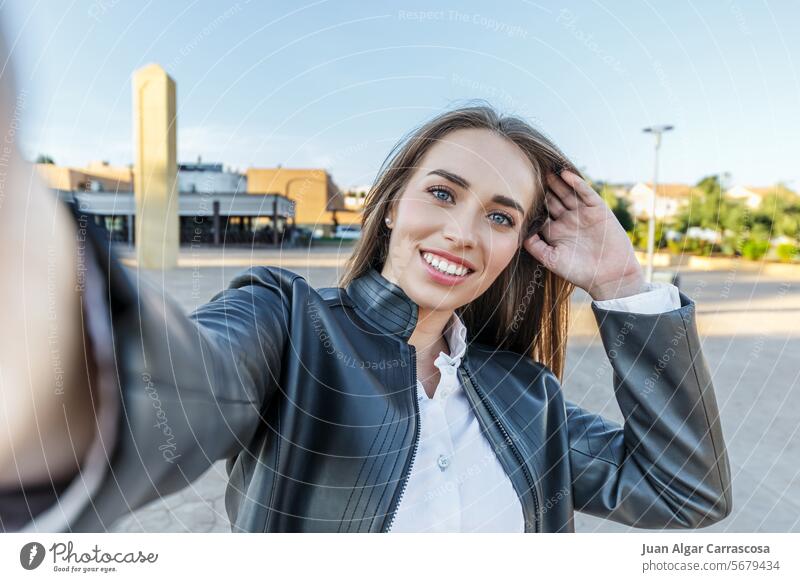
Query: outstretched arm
{"points": [[181, 391], [110, 395]]}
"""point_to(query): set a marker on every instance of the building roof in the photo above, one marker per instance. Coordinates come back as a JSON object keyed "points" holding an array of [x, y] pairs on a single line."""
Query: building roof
{"points": [[668, 190], [189, 203]]}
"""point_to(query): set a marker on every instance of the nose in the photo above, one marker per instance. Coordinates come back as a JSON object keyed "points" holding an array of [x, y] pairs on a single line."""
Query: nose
{"points": [[459, 233]]}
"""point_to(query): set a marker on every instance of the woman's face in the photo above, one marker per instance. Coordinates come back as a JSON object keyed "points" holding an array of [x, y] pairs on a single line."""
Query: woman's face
{"points": [[457, 224]]}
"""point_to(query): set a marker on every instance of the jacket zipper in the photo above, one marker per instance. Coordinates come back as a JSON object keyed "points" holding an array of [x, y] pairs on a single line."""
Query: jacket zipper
{"points": [[531, 482], [410, 461]]}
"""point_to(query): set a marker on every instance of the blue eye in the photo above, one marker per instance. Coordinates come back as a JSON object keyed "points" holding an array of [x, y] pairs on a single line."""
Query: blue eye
{"points": [[504, 217], [435, 189]]}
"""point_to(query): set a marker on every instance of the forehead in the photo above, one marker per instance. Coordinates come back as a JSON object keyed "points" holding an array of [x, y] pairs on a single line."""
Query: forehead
{"points": [[490, 163]]}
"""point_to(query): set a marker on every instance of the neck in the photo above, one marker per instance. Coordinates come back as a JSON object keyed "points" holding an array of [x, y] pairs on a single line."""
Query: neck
{"points": [[429, 332]]}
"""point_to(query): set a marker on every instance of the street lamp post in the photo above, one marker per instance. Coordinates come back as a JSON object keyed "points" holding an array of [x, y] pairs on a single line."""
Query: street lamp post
{"points": [[657, 131]]}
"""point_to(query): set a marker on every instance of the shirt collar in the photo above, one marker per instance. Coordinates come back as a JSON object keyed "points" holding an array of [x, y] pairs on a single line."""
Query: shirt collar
{"points": [[456, 335]]}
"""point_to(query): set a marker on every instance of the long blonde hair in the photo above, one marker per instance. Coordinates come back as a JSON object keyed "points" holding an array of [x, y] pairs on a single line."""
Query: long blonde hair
{"points": [[526, 309]]}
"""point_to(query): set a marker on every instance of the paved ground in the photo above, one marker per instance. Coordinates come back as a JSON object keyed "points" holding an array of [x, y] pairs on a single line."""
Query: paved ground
{"points": [[750, 327]]}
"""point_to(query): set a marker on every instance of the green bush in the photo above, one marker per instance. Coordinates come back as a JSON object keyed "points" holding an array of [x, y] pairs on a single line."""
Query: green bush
{"points": [[755, 249], [639, 235], [786, 252], [675, 246], [730, 245], [697, 246]]}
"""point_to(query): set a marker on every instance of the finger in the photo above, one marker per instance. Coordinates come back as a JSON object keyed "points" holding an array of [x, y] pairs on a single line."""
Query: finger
{"points": [[546, 231], [564, 192], [554, 205], [541, 251], [585, 192]]}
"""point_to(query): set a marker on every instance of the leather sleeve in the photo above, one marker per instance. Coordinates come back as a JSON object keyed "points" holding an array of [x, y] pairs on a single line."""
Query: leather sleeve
{"points": [[191, 388], [667, 467]]}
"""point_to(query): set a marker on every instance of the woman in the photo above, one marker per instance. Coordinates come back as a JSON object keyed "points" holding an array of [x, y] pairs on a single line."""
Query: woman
{"points": [[423, 393]]}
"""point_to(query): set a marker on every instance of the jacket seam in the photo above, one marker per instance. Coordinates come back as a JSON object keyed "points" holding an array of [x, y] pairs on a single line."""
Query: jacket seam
{"points": [[361, 471], [705, 413], [584, 453], [386, 487], [270, 508]]}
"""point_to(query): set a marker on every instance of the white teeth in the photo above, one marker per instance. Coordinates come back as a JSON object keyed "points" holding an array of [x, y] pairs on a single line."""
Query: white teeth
{"points": [[442, 265]]}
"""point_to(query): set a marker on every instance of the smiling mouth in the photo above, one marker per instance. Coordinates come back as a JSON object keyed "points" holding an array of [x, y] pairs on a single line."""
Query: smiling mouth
{"points": [[444, 266]]}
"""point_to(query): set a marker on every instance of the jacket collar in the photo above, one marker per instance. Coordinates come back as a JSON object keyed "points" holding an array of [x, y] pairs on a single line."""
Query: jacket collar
{"points": [[384, 304], [388, 307]]}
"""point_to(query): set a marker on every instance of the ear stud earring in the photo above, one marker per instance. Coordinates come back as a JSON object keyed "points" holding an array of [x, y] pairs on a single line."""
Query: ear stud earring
{"points": [[388, 221]]}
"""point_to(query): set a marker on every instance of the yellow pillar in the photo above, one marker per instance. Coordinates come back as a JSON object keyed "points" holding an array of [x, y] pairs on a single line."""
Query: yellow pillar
{"points": [[156, 168]]}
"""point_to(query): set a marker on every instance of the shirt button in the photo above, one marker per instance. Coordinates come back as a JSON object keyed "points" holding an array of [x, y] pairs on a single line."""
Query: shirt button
{"points": [[443, 462]]}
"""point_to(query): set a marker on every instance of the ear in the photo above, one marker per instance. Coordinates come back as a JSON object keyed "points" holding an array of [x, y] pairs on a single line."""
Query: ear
{"points": [[389, 217]]}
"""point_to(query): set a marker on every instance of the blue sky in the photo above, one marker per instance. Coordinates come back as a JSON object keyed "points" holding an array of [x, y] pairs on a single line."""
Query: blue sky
{"points": [[335, 83]]}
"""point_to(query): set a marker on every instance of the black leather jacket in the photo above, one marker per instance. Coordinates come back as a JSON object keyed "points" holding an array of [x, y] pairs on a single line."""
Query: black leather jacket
{"points": [[310, 396]]}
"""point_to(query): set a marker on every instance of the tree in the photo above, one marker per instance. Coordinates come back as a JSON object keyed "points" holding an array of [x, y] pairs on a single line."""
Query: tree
{"points": [[44, 159], [619, 206], [708, 207]]}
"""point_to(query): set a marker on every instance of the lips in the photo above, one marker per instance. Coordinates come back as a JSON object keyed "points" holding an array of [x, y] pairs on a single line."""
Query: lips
{"points": [[449, 268], [450, 257]]}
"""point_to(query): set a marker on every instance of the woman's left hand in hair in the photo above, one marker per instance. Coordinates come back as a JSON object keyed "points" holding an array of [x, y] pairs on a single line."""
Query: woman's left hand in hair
{"points": [[583, 242]]}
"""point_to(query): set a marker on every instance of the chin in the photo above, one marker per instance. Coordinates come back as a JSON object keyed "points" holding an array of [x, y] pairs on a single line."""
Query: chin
{"points": [[432, 296]]}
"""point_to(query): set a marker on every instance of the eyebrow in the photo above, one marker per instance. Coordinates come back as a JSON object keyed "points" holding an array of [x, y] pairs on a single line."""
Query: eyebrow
{"points": [[456, 179]]}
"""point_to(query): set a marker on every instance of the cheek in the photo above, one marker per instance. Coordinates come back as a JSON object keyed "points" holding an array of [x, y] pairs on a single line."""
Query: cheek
{"points": [[416, 218], [500, 252], [415, 207]]}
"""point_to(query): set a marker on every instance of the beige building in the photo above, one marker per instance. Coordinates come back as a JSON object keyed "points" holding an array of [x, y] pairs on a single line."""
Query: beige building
{"points": [[318, 201], [96, 176]]}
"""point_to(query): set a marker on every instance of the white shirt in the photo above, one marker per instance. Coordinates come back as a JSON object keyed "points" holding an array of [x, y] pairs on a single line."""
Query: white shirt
{"points": [[456, 483]]}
